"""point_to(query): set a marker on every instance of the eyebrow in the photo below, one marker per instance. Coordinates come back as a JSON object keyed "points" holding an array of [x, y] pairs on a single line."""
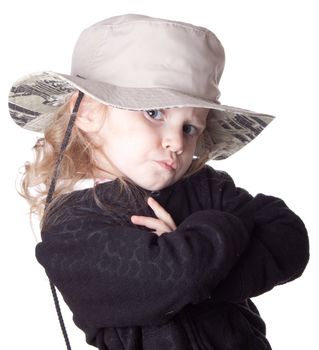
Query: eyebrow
{"points": [[197, 121], [195, 118]]}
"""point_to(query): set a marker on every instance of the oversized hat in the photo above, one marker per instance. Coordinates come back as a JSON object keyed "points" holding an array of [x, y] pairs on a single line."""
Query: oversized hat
{"points": [[138, 62]]}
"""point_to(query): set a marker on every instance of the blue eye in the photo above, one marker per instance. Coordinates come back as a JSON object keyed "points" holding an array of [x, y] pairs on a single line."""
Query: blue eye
{"points": [[189, 129], [152, 112]]}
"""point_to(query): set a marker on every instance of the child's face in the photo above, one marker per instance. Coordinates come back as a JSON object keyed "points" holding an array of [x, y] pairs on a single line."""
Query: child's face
{"points": [[136, 141]]}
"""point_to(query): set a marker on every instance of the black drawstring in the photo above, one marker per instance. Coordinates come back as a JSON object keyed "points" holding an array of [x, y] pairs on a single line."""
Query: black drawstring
{"points": [[49, 198]]}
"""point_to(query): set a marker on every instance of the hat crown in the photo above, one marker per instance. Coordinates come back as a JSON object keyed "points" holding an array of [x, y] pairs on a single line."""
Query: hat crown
{"points": [[139, 51], [138, 62]]}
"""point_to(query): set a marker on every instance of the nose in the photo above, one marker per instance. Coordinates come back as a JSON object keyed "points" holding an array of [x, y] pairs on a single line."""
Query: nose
{"points": [[173, 140]]}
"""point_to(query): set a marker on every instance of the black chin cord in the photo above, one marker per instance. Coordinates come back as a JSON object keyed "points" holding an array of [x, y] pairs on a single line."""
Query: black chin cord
{"points": [[49, 198]]}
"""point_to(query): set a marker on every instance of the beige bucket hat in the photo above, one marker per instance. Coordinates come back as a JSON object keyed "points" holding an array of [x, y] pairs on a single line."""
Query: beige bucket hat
{"points": [[138, 62]]}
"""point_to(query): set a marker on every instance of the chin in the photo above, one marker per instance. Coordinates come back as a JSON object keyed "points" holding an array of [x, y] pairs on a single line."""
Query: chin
{"points": [[156, 181], [154, 187]]}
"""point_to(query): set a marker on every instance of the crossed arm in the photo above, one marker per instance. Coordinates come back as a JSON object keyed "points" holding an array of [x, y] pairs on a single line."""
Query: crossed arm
{"points": [[113, 276]]}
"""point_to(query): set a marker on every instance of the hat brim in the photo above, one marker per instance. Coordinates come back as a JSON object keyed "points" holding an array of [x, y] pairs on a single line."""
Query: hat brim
{"points": [[34, 99]]}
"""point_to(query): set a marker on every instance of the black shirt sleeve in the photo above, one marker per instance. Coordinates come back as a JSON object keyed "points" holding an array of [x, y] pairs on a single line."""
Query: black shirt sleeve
{"points": [[278, 250], [116, 276]]}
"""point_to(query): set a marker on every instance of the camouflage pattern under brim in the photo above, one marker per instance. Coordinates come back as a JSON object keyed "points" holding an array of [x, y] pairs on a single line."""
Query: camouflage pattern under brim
{"points": [[35, 98]]}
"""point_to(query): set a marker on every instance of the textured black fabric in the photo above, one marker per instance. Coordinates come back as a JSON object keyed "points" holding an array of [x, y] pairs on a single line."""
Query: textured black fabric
{"points": [[187, 289]]}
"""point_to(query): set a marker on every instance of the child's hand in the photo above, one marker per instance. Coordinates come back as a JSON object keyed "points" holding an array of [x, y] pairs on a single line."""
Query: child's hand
{"points": [[164, 223]]}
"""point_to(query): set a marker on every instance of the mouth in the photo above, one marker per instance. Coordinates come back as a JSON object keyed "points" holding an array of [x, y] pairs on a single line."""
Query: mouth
{"points": [[167, 165]]}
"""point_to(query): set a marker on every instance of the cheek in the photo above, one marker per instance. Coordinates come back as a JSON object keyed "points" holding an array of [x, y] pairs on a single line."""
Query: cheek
{"points": [[143, 138], [190, 145], [132, 147]]}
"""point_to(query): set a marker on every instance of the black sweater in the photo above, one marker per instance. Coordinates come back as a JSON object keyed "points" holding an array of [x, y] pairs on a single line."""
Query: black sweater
{"points": [[187, 289]]}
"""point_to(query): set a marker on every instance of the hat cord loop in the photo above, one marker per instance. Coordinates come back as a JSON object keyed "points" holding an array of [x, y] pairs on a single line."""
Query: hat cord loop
{"points": [[49, 198]]}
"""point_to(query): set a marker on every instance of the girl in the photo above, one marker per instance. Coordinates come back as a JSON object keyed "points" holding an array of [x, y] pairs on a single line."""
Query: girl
{"points": [[150, 247]]}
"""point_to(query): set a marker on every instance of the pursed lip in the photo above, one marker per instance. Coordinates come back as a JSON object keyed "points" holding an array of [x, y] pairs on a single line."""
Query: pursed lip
{"points": [[168, 164]]}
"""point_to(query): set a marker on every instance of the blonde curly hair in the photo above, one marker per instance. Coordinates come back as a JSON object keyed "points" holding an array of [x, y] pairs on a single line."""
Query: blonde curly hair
{"points": [[78, 163]]}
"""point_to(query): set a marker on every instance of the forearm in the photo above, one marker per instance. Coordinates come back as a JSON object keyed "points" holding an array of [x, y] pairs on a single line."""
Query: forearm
{"points": [[278, 252], [122, 276]]}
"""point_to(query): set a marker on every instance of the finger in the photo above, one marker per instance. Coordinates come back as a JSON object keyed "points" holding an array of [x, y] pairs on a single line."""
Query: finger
{"points": [[150, 222], [161, 213]]}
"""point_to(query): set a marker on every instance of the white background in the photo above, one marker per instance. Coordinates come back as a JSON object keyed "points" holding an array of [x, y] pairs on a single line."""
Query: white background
{"points": [[271, 67]]}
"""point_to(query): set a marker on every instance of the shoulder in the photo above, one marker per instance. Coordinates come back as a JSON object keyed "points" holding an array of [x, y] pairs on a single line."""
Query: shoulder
{"points": [[208, 187], [67, 207], [212, 178]]}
